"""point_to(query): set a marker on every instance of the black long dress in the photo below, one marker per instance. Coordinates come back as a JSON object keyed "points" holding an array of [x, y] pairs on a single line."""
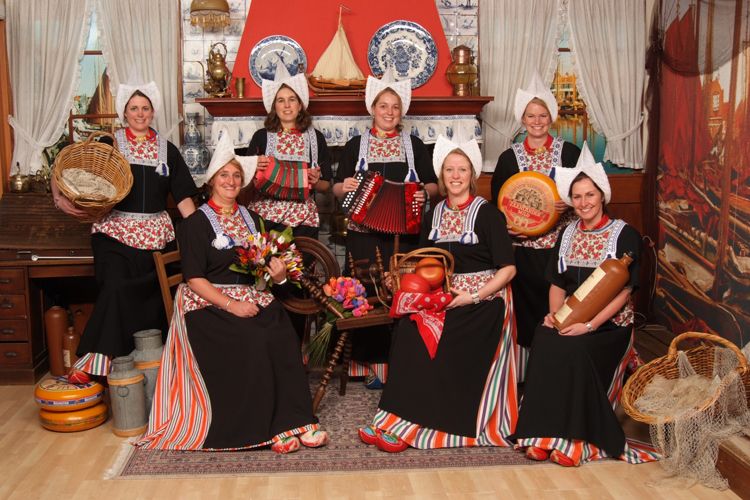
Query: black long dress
{"points": [[573, 383], [465, 396], [129, 297], [248, 369], [532, 255], [302, 216], [371, 346]]}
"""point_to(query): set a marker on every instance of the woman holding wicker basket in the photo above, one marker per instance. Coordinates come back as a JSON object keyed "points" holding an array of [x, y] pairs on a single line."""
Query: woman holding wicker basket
{"points": [[575, 375], [123, 240], [455, 384]]}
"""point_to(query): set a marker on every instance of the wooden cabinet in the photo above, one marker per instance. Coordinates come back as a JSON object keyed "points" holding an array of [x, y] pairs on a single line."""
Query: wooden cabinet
{"points": [[39, 247], [23, 353]]}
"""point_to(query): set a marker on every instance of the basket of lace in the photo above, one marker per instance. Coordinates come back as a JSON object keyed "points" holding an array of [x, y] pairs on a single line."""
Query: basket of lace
{"points": [[93, 175]]}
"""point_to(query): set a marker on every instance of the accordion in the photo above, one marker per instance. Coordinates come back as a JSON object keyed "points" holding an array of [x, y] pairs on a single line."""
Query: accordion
{"points": [[284, 180], [384, 206]]}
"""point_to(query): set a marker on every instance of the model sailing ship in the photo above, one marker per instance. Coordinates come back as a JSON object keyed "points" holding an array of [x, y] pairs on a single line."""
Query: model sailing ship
{"points": [[336, 72]]}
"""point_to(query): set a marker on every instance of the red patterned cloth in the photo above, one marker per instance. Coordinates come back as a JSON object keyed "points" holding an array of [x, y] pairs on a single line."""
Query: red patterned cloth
{"points": [[290, 142], [241, 293], [147, 149], [136, 230], [385, 149], [290, 212], [427, 311]]}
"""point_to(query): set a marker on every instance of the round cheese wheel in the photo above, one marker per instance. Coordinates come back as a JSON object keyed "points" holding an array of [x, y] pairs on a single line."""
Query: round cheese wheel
{"points": [[57, 394], [528, 201], [74, 421]]}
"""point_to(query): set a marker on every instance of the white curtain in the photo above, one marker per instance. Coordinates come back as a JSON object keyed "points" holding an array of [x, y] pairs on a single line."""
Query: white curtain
{"points": [[515, 39], [608, 40], [45, 43], [140, 42]]}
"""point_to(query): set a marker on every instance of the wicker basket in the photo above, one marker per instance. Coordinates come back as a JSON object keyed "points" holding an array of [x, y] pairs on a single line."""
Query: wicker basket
{"points": [[102, 160], [702, 360], [407, 263]]}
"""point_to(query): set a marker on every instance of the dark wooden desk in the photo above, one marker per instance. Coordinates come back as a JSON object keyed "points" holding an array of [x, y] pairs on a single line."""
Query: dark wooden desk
{"points": [[37, 243]]}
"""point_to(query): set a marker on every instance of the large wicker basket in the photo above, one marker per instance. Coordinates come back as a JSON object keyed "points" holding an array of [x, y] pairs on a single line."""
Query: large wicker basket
{"points": [[102, 160], [702, 360], [406, 263]]}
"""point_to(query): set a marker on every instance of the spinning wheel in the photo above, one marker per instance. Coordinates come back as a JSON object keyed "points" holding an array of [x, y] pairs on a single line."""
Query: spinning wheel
{"points": [[320, 265]]}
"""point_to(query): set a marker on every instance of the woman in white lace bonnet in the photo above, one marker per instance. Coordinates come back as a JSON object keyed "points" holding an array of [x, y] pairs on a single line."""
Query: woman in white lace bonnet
{"points": [[445, 373], [386, 148], [288, 135], [535, 109], [245, 386], [123, 241], [575, 375]]}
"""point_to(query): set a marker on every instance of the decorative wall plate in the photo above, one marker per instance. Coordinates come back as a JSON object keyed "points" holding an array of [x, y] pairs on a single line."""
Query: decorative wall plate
{"points": [[406, 46], [271, 51]]}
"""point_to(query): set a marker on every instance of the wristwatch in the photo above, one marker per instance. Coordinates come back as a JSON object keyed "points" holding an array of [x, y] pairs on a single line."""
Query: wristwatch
{"points": [[589, 328], [475, 298]]}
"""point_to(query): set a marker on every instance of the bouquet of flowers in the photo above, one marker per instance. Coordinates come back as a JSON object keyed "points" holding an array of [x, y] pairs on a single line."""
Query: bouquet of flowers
{"points": [[349, 297], [253, 256]]}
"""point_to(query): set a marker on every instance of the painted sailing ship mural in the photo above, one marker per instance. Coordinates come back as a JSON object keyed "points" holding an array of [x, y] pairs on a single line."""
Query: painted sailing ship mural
{"points": [[703, 275]]}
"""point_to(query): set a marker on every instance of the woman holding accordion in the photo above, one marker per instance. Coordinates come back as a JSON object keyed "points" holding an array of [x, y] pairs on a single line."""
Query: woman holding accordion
{"points": [[289, 140], [399, 157]]}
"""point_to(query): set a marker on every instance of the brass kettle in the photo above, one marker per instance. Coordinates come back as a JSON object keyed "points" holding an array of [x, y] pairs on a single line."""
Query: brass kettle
{"points": [[218, 73], [19, 183]]}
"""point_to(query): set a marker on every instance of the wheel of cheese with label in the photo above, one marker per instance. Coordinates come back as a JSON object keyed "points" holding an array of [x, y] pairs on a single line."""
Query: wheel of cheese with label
{"points": [[528, 201], [74, 421], [57, 394]]}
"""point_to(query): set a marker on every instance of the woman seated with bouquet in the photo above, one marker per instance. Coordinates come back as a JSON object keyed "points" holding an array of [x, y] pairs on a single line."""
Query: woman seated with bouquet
{"points": [[231, 374], [575, 374], [452, 379]]}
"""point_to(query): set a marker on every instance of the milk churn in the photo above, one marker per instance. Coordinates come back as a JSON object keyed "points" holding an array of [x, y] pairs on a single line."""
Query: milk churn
{"points": [[127, 396], [147, 357]]}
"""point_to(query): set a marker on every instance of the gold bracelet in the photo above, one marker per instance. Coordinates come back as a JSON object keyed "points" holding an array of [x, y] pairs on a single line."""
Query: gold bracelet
{"points": [[229, 301]]}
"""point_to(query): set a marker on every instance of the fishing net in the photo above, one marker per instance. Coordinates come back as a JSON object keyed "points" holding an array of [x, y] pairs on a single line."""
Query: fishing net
{"points": [[692, 414]]}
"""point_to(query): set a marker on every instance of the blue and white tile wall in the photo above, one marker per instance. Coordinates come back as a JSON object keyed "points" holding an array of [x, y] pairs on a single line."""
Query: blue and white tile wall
{"points": [[459, 18]]}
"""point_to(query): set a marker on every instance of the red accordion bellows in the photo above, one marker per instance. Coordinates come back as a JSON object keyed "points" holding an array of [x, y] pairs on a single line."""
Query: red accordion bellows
{"points": [[284, 180], [386, 206]]}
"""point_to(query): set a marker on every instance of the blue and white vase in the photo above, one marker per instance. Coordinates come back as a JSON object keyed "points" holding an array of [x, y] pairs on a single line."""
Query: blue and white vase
{"points": [[194, 151]]}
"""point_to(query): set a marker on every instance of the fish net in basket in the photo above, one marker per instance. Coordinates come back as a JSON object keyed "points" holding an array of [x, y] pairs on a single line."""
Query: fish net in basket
{"points": [[692, 400], [407, 263], [98, 159]]}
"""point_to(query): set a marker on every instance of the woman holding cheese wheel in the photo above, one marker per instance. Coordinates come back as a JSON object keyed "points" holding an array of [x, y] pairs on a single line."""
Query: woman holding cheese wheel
{"points": [[452, 375], [536, 110], [575, 375]]}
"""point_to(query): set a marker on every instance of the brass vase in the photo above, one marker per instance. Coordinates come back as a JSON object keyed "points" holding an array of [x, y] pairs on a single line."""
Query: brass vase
{"points": [[462, 72]]}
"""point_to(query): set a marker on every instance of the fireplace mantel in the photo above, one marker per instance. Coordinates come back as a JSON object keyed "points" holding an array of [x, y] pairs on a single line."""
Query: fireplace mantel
{"points": [[350, 105]]}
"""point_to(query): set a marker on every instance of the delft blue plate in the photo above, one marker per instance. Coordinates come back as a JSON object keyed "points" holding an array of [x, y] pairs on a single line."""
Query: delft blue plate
{"points": [[271, 51], [406, 46]]}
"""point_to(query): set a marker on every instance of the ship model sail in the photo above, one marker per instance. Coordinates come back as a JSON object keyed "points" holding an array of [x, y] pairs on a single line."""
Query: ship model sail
{"points": [[336, 72]]}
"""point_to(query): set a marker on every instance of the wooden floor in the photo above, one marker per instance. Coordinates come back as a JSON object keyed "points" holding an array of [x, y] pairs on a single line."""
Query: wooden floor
{"points": [[35, 463]]}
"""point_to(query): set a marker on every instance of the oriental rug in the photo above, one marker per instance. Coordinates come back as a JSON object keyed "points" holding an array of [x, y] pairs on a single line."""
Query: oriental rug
{"points": [[341, 416]]}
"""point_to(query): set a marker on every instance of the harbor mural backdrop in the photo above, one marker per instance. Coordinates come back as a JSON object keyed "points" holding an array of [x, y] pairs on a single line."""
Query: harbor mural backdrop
{"points": [[703, 248]]}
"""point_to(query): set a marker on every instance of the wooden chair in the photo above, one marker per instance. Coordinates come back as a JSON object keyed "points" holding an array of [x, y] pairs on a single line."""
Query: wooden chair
{"points": [[166, 281]]}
